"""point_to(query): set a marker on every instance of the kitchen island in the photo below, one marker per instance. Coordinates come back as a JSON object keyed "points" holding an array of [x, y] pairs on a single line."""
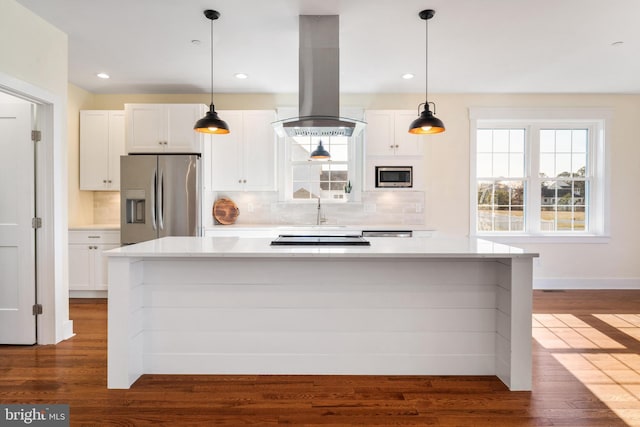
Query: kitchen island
{"points": [[401, 306]]}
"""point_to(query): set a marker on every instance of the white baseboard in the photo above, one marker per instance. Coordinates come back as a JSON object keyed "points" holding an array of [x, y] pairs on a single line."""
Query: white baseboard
{"points": [[586, 283]]}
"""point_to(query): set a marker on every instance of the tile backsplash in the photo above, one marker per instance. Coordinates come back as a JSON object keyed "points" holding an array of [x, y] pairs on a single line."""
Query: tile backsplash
{"points": [[259, 208], [376, 207], [106, 207]]}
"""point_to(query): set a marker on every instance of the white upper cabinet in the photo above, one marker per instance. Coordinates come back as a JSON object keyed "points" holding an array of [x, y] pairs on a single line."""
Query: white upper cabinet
{"points": [[163, 128], [387, 133], [244, 159], [101, 145]]}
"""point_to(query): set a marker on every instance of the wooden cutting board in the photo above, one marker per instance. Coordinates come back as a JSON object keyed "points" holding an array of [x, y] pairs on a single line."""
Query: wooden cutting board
{"points": [[225, 211]]}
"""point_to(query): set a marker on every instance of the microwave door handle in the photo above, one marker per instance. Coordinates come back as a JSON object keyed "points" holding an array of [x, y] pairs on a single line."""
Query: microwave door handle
{"points": [[153, 199]]}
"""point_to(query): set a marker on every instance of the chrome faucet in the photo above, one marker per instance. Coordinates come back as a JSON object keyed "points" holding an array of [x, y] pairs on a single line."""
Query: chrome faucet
{"points": [[320, 218]]}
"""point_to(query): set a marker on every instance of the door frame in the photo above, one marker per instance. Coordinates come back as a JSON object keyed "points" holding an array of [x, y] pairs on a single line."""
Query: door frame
{"points": [[52, 287]]}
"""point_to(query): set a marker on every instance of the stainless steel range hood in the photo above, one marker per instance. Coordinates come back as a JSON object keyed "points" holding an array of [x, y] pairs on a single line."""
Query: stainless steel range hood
{"points": [[319, 83]]}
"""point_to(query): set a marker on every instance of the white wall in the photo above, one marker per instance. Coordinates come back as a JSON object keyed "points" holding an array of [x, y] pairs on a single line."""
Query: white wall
{"points": [[34, 57]]}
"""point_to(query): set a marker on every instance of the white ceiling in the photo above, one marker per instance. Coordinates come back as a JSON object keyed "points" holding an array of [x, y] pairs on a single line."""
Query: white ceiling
{"points": [[475, 46]]}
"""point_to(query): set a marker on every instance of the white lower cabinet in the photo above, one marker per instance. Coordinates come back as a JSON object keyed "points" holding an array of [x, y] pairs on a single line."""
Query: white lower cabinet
{"points": [[87, 265]]}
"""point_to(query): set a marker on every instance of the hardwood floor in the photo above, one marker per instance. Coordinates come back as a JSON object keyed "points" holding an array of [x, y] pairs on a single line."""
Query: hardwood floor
{"points": [[586, 373]]}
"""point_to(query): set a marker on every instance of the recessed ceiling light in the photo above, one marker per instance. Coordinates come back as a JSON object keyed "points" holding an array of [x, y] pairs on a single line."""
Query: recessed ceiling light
{"points": [[241, 76], [103, 75], [408, 76]]}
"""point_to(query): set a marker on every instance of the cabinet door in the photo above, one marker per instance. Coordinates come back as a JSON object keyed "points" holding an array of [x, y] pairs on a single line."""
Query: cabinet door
{"points": [[94, 149], [180, 134], [100, 267], [226, 155], [407, 144], [379, 133], [146, 128], [80, 267], [259, 145], [116, 147]]}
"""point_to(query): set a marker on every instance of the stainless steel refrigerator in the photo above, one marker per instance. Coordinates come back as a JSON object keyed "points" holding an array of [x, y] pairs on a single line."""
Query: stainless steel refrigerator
{"points": [[159, 196]]}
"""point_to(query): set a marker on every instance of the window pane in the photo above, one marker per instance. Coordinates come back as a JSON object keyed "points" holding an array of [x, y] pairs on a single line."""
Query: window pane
{"points": [[484, 143], [563, 205], [484, 165], [579, 139], [579, 164], [516, 165], [547, 141], [501, 140], [339, 152], [563, 141], [500, 206], [547, 165], [563, 164], [485, 193], [500, 165], [516, 140]]}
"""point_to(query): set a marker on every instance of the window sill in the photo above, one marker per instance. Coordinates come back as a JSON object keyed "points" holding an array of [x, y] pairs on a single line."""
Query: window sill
{"points": [[545, 238]]}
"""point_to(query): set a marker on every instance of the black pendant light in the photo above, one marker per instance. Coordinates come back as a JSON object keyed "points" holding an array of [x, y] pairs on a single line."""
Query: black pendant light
{"points": [[427, 122], [211, 123], [320, 153]]}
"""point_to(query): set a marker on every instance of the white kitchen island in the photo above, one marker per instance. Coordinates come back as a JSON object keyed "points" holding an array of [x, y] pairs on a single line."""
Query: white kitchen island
{"points": [[402, 306]]}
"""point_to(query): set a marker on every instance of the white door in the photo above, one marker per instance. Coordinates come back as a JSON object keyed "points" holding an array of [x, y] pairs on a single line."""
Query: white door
{"points": [[17, 237]]}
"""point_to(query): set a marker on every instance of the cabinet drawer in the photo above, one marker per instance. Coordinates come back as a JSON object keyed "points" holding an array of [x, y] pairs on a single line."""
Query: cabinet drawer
{"points": [[94, 236]]}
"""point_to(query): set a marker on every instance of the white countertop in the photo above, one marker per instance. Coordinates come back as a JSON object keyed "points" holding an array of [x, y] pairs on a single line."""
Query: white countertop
{"points": [[381, 247]]}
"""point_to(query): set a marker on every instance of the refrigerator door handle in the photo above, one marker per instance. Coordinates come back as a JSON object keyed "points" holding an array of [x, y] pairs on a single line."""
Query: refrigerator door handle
{"points": [[153, 199], [161, 200]]}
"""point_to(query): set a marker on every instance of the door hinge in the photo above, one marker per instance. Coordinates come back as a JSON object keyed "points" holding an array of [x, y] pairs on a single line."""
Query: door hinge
{"points": [[36, 135], [36, 222], [37, 309]]}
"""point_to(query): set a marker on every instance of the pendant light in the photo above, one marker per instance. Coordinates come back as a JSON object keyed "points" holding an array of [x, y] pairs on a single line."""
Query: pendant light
{"points": [[211, 123], [427, 122], [320, 153]]}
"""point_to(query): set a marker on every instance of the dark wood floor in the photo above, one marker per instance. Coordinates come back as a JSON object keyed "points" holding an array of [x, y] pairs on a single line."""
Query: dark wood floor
{"points": [[586, 373]]}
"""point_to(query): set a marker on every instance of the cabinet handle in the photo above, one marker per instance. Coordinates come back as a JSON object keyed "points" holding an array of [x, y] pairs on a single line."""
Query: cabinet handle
{"points": [[391, 146], [104, 181], [239, 181], [244, 181], [160, 142], [109, 181], [397, 146], [94, 237]]}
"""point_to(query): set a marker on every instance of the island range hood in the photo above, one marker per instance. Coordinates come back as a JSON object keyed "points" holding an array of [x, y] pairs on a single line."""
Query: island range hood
{"points": [[319, 83]]}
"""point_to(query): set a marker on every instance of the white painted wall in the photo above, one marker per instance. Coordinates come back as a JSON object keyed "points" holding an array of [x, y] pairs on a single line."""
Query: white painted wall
{"points": [[34, 63]]}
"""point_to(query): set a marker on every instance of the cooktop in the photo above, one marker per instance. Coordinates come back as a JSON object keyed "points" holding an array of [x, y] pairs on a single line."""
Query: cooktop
{"points": [[311, 240]]}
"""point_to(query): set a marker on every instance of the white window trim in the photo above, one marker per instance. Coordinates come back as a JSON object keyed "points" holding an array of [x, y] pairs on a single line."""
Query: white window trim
{"points": [[531, 119]]}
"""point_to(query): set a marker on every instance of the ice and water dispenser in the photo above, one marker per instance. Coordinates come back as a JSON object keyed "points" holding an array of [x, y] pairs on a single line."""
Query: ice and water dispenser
{"points": [[135, 201]]}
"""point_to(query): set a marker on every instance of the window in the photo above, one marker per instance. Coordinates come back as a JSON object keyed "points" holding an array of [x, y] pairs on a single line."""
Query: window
{"points": [[538, 172], [325, 179]]}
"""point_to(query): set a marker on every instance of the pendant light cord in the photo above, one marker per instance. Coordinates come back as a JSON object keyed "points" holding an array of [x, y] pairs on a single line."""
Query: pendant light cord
{"points": [[426, 63], [211, 61]]}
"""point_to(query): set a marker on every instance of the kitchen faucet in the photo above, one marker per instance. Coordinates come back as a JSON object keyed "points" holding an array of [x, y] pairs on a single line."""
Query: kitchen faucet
{"points": [[320, 219]]}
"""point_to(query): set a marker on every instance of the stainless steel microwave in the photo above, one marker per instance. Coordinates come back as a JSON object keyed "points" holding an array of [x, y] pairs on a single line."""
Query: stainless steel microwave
{"points": [[394, 176]]}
